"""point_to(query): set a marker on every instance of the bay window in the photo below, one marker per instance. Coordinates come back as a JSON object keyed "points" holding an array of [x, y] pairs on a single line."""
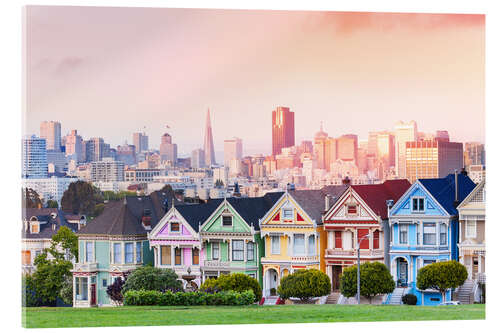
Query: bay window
{"points": [[311, 246], [178, 256], [403, 234], [238, 249], [299, 245], [89, 251], [129, 253], [470, 228], [117, 253], [215, 251], [196, 256], [250, 251], [165, 255], [442, 234], [429, 234], [275, 244], [138, 257]]}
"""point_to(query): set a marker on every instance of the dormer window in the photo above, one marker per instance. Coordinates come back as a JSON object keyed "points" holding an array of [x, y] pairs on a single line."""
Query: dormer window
{"points": [[174, 227], [35, 227], [352, 209], [288, 213], [417, 204], [227, 221]]}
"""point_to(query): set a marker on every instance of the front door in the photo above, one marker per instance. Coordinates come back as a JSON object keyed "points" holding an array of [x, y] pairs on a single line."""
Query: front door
{"points": [[92, 294], [403, 272], [475, 266], [336, 272]]}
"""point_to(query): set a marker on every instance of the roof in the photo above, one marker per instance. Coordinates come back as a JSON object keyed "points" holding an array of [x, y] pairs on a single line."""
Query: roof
{"points": [[196, 214], [124, 217], [46, 229], [253, 209], [313, 201], [443, 190], [376, 195]]}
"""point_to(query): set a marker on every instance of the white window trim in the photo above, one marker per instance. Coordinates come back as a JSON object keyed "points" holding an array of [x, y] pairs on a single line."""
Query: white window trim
{"points": [[182, 256], [218, 249], [406, 225], [468, 221], [305, 246], [436, 233], [411, 204], [283, 213], [122, 253], [222, 221], [85, 253], [134, 246], [279, 245], [446, 233], [175, 232]]}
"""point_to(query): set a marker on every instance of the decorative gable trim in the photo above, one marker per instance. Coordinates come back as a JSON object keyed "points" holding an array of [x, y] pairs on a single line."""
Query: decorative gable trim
{"points": [[171, 215], [224, 208], [350, 197], [479, 189], [287, 201]]}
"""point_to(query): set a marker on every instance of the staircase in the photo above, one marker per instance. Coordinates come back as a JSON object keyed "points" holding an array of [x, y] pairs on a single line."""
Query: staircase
{"points": [[465, 295], [396, 296], [333, 298], [270, 300]]}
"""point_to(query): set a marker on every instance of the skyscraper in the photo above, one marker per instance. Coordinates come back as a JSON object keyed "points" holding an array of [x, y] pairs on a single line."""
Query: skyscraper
{"points": [[96, 149], [34, 158], [51, 132], [283, 129], [140, 141], [474, 154], [405, 132], [233, 149], [74, 146], [197, 159], [320, 153], [347, 148], [208, 145], [168, 150]]}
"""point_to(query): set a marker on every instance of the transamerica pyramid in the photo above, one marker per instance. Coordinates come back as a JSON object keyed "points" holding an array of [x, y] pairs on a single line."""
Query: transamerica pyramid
{"points": [[208, 146]]}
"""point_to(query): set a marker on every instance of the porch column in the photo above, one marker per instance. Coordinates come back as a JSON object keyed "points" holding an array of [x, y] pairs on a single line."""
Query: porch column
{"points": [[306, 241], [230, 257], [479, 263], [370, 239], [330, 240], [89, 294], [74, 290], [245, 244]]}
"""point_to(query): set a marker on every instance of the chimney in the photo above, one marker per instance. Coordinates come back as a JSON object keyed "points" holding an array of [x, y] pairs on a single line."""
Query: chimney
{"points": [[346, 181], [327, 202], [146, 219], [456, 189], [464, 172]]}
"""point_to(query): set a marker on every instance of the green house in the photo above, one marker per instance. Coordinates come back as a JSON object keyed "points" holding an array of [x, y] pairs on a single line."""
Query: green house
{"points": [[114, 244], [231, 238]]}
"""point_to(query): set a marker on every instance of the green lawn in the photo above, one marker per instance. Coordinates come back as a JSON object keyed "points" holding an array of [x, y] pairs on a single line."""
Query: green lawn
{"points": [[253, 314]]}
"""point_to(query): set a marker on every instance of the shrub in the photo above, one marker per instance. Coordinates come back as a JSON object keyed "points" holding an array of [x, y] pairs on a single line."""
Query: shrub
{"points": [[29, 294], [152, 278], [66, 292], [304, 284], [114, 291], [168, 298], [236, 282], [375, 279], [409, 299], [441, 276]]}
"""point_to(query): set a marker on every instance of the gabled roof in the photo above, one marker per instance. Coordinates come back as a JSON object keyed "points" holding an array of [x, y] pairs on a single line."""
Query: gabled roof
{"points": [[252, 209], [376, 195], [472, 194], [313, 201], [46, 229], [443, 190], [196, 214]]}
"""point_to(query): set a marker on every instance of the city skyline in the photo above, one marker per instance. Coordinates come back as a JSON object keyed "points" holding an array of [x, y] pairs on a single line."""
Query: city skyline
{"points": [[312, 62]]}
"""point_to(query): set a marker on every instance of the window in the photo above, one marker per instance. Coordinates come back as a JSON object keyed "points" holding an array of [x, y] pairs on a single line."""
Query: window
{"points": [[288, 213], [227, 221], [215, 251], [429, 234], [26, 257], [417, 205], [428, 262], [442, 234], [237, 249], [252, 275], [275, 244], [178, 256], [104, 282], [376, 239], [470, 228], [129, 253], [166, 255], [82, 288], [196, 256], [352, 209], [418, 233], [338, 239], [250, 251], [365, 243], [174, 227], [89, 251], [35, 228], [299, 245], [311, 248], [403, 234], [117, 253], [138, 252]]}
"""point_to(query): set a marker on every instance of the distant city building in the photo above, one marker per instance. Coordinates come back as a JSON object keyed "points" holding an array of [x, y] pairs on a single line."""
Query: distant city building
{"points": [[221, 173], [140, 141], [233, 149], [51, 188], [442, 136], [347, 148], [198, 159], [432, 159], [477, 173], [126, 154], [141, 175], [34, 158], [283, 127], [51, 132], [404, 132], [96, 149], [320, 149], [168, 150], [58, 160], [386, 149], [107, 170], [74, 146], [208, 144], [474, 154]]}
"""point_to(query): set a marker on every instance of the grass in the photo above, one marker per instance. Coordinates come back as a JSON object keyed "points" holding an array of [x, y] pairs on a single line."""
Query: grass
{"points": [[253, 314]]}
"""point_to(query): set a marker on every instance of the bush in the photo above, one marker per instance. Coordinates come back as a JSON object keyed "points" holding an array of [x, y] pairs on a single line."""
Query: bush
{"points": [[29, 294], [152, 278], [114, 291], [409, 299], [168, 298], [304, 284], [441, 276], [66, 292], [375, 279], [238, 282]]}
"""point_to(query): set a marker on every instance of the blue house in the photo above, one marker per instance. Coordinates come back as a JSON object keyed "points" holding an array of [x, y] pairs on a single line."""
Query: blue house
{"points": [[424, 230]]}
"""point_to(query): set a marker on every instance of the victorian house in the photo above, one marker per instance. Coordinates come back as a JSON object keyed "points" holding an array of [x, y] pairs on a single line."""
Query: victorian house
{"points": [[359, 217], [230, 236], [424, 225], [291, 234], [114, 244], [471, 242]]}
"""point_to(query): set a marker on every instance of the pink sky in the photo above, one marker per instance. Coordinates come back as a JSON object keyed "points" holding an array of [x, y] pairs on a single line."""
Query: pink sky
{"points": [[110, 71]]}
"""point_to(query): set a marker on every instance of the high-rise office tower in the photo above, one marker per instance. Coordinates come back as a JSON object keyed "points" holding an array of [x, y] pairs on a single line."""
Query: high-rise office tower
{"points": [[386, 149], [126, 154], [320, 139], [283, 129], [443, 136], [51, 132], [404, 132], [34, 157], [432, 159], [96, 149], [198, 159], [74, 146], [233, 150], [208, 144], [140, 141], [168, 150], [347, 148], [474, 154]]}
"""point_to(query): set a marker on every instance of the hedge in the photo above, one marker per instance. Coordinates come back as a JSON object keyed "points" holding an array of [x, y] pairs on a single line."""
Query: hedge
{"points": [[153, 297], [236, 282]]}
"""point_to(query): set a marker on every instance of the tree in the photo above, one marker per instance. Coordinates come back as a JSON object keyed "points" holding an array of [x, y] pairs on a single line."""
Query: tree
{"points": [[30, 198], [375, 279], [236, 282], [66, 292], [52, 204], [81, 198], [441, 276], [116, 196], [114, 291], [152, 278], [49, 277], [66, 240], [29, 294], [304, 284]]}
